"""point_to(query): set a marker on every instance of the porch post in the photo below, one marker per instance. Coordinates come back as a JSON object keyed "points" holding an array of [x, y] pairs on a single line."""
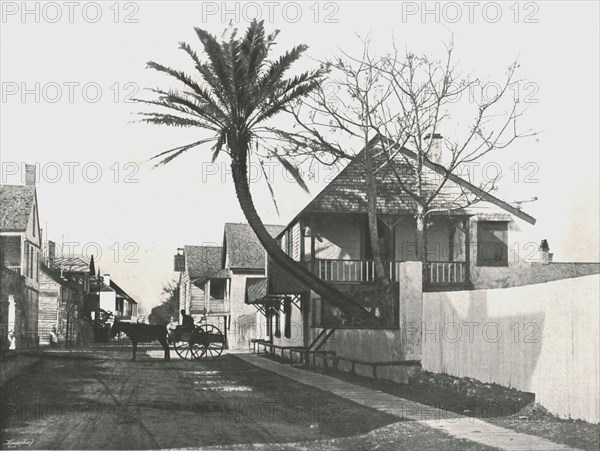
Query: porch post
{"points": [[305, 312], [467, 228]]}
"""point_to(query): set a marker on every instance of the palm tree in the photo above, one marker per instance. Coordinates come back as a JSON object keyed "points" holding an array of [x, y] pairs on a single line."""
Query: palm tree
{"points": [[239, 91]]}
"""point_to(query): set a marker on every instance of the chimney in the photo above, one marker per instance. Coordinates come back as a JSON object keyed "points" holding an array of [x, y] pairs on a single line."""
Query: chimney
{"points": [[435, 149], [545, 255], [106, 278], [30, 177]]}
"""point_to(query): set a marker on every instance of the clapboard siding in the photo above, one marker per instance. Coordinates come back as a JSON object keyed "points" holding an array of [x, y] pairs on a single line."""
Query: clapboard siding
{"points": [[197, 299], [50, 292]]}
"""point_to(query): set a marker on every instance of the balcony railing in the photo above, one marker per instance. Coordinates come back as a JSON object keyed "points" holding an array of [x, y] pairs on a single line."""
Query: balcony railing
{"points": [[353, 270], [218, 306], [446, 272], [364, 271]]}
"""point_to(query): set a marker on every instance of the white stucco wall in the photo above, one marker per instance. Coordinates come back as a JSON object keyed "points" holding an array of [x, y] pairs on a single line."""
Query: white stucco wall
{"points": [[107, 301], [243, 316], [540, 338]]}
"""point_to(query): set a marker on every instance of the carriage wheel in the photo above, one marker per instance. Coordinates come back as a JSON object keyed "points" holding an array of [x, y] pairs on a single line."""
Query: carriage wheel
{"points": [[210, 342], [184, 349]]}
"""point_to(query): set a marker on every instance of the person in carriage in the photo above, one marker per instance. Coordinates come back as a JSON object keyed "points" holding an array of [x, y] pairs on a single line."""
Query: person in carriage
{"points": [[187, 322]]}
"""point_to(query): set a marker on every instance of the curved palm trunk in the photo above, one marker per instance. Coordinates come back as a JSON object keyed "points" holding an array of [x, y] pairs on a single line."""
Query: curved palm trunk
{"points": [[327, 291]]}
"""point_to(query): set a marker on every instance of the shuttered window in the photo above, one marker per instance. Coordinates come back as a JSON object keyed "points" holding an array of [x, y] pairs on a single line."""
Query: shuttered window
{"points": [[492, 243]]}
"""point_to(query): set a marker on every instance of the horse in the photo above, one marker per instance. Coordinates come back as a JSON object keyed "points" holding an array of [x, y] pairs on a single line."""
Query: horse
{"points": [[140, 332]]}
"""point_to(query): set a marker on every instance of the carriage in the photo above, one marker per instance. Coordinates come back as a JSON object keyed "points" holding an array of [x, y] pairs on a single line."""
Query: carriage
{"points": [[204, 342]]}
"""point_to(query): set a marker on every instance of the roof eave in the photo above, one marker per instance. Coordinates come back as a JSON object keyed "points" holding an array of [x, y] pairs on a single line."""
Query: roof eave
{"points": [[439, 169]]}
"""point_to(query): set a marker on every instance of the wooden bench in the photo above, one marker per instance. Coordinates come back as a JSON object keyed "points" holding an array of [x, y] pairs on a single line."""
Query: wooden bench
{"points": [[253, 342], [303, 353], [374, 365], [272, 348]]}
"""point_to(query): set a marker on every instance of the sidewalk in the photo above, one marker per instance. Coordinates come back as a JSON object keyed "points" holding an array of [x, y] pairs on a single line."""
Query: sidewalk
{"points": [[455, 425]]}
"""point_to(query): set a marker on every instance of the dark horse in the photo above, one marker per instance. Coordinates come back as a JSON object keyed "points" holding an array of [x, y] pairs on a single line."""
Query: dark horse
{"points": [[140, 332]]}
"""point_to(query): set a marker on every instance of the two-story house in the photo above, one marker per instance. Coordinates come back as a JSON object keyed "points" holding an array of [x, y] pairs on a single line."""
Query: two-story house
{"points": [[96, 296], [60, 307], [212, 285], [197, 296], [245, 259], [20, 244], [469, 246]]}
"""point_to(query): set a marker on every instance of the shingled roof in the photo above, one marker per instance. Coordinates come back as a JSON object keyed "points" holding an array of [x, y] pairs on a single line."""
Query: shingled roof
{"points": [[202, 261], [16, 203], [241, 248], [347, 191], [256, 288]]}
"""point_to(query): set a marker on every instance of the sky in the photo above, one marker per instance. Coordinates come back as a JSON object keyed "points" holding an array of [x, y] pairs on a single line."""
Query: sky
{"points": [[69, 72]]}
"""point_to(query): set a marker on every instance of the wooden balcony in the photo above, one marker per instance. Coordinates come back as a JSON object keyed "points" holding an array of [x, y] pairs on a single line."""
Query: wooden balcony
{"points": [[352, 270], [211, 307], [437, 273], [218, 306]]}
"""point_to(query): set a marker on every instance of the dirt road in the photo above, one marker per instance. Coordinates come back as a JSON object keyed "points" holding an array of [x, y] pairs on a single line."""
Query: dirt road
{"points": [[101, 399]]}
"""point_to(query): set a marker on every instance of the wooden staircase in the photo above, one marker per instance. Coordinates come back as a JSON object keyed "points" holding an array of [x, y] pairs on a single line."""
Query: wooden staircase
{"points": [[314, 348]]}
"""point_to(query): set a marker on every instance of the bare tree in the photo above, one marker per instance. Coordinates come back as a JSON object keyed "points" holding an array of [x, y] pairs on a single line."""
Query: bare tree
{"points": [[387, 115], [335, 126]]}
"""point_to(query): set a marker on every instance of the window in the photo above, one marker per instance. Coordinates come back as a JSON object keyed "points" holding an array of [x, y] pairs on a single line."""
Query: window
{"points": [[492, 243], [217, 288], [31, 261], [10, 252]]}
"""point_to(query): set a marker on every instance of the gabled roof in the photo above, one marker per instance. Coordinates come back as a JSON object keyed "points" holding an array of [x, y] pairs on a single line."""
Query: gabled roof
{"points": [[71, 264], [346, 193], [202, 261], [16, 203], [441, 170], [241, 248], [120, 291]]}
